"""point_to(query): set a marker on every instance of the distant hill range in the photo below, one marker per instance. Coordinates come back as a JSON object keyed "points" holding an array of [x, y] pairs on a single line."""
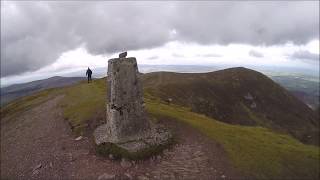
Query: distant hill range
{"points": [[302, 87], [305, 87], [19, 90], [237, 96]]}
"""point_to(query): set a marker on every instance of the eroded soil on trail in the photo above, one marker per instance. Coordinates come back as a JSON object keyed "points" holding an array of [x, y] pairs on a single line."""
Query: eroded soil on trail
{"points": [[39, 144]]}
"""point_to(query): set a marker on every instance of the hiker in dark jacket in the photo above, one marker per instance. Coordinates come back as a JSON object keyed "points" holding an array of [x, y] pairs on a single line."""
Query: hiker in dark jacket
{"points": [[89, 73]]}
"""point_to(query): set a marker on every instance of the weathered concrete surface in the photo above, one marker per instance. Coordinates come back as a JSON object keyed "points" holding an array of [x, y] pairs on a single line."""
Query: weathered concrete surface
{"points": [[127, 124], [154, 137], [126, 119]]}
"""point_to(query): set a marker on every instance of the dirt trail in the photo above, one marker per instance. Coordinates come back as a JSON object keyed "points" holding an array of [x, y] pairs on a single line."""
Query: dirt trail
{"points": [[39, 144]]}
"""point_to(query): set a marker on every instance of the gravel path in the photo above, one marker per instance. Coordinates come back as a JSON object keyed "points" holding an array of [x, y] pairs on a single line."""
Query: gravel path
{"points": [[39, 144]]}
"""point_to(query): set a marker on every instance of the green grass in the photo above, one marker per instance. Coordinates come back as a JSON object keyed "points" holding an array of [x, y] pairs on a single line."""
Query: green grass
{"points": [[82, 102], [23, 104], [255, 151]]}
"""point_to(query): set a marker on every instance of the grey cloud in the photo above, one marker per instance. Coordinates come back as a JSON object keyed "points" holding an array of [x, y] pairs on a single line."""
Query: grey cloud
{"points": [[153, 57], [35, 34], [256, 54], [209, 55], [305, 55], [265, 23], [177, 55]]}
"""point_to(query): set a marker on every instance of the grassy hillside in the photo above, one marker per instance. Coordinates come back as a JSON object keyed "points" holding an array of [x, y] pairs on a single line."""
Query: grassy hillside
{"points": [[15, 91], [255, 151], [20, 105], [237, 96], [84, 102]]}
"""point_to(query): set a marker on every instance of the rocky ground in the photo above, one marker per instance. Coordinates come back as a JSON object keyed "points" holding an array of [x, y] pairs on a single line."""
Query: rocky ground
{"points": [[39, 144]]}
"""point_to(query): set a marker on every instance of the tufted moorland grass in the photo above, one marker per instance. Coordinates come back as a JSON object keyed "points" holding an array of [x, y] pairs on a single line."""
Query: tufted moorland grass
{"points": [[255, 151], [22, 104], [82, 101]]}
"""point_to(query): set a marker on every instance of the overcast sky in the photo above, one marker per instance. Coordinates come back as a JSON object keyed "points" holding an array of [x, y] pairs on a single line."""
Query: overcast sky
{"points": [[61, 36]]}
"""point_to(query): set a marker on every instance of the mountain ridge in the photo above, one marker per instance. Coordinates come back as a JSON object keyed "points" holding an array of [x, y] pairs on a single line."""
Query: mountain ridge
{"points": [[224, 95], [15, 91], [237, 96]]}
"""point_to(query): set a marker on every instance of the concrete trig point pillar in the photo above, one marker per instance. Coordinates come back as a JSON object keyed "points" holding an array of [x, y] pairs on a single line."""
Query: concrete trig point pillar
{"points": [[126, 118], [127, 125]]}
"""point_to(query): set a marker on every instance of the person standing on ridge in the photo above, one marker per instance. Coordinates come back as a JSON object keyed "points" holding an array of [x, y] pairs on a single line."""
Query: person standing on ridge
{"points": [[89, 73]]}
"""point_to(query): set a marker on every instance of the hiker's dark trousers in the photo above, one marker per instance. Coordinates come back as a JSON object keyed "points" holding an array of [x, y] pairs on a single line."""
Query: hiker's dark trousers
{"points": [[89, 78]]}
